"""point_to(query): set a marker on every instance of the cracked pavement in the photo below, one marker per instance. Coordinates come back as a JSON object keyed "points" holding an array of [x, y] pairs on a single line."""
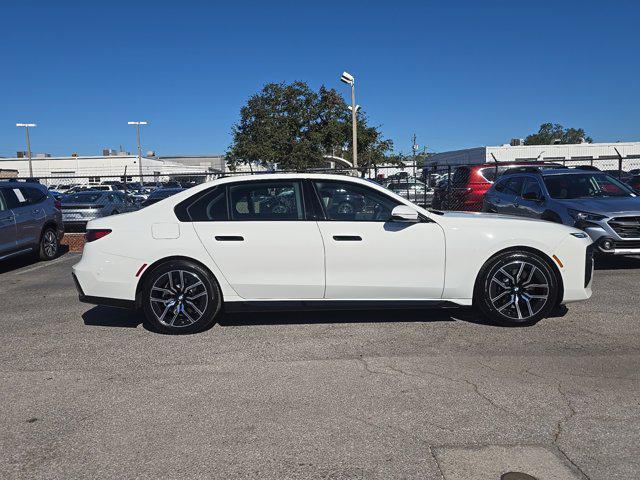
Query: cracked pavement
{"points": [[431, 394]]}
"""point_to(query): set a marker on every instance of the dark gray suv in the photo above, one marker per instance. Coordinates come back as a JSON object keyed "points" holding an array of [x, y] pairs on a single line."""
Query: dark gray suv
{"points": [[605, 208], [30, 220]]}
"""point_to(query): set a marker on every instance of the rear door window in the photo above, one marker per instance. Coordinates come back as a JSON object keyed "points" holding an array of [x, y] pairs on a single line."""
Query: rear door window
{"points": [[266, 201], [32, 195]]}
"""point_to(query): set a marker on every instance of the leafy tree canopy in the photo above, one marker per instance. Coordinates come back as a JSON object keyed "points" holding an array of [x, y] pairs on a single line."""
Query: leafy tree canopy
{"points": [[295, 127], [556, 133]]}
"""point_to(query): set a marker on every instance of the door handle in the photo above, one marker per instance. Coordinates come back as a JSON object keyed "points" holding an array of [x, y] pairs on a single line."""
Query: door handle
{"points": [[35, 211], [229, 238], [347, 238]]}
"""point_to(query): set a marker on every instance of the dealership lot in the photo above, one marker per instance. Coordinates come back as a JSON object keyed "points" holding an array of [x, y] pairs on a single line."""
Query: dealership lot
{"points": [[88, 392]]}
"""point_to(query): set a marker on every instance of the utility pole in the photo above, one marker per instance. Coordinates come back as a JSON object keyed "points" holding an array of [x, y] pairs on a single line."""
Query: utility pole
{"points": [[26, 126], [414, 147], [137, 124]]}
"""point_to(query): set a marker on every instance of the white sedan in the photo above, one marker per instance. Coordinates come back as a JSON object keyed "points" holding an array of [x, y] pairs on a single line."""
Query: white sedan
{"points": [[298, 241]]}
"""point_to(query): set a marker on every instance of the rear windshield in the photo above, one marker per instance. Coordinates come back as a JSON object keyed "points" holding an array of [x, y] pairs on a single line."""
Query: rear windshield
{"points": [[85, 197], [585, 185]]}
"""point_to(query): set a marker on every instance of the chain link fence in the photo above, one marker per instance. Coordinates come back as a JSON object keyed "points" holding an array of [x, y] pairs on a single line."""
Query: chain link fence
{"points": [[437, 186]]}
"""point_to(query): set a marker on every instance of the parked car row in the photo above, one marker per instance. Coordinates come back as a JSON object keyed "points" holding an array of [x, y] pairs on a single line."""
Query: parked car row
{"points": [[82, 203], [605, 204]]}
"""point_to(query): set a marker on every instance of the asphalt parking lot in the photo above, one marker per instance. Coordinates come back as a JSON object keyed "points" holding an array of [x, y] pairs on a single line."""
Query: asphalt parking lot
{"points": [[88, 392]]}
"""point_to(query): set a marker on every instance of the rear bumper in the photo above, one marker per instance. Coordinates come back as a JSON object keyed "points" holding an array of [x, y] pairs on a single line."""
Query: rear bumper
{"points": [[109, 302]]}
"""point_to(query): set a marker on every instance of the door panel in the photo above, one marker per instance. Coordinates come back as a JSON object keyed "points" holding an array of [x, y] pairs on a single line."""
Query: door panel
{"points": [[7, 227], [530, 208], [258, 235], [383, 260], [267, 260]]}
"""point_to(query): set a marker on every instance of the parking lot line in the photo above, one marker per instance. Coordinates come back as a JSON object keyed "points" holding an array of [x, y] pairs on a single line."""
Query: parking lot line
{"points": [[68, 256]]}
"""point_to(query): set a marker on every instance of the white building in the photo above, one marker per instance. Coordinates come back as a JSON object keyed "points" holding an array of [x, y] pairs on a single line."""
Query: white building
{"points": [[604, 155], [98, 168]]}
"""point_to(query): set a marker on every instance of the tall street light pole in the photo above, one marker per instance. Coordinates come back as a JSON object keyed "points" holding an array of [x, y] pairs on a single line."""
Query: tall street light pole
{"points": [[349, 80], [137, 124], [26, 127]]}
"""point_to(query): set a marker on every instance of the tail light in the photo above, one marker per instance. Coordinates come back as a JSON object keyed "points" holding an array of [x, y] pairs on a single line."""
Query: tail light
{"points": [[57, 204], [95, 234]]}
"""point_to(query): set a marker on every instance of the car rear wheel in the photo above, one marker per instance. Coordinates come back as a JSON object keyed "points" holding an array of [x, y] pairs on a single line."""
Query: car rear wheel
{"points": [[516, 288], [180, 297], [49, 244]]}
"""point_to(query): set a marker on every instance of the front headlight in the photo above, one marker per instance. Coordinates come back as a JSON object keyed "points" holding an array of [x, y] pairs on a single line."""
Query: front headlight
{"points": [[579, 216]]}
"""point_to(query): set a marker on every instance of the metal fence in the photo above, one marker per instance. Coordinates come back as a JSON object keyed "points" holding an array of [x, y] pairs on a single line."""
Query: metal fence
{"points": [[439, 186]]}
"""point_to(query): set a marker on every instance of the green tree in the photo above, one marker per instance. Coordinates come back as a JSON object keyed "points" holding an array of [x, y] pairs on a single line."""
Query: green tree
{"points": [[549, 134], [294, 127]]}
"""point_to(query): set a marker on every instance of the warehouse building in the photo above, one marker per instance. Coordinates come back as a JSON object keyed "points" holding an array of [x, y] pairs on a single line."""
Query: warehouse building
{"points": [[89, 169], [604, 155]]}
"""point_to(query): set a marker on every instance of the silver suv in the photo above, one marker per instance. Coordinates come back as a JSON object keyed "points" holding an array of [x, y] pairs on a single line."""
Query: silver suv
{"points": [[605, 208], [30, 220]]}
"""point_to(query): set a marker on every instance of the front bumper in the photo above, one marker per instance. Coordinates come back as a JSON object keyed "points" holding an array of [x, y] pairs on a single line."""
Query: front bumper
{"points": [[619, 246]]}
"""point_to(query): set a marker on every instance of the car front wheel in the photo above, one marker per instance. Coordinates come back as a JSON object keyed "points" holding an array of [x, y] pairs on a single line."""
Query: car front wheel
{"points": [[180, 297], [516, 288]]}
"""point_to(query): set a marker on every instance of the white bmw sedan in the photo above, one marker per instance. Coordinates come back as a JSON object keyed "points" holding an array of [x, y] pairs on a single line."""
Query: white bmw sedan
{"points": [[308, 241]]}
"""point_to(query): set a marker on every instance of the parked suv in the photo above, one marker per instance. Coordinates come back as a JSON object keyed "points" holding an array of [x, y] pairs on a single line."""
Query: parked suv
{"points": [[30, 220], [605, 208], [468, 184]]}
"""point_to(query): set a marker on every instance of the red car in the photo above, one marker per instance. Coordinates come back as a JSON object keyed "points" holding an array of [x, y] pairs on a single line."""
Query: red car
{"points": [[468, 184]]}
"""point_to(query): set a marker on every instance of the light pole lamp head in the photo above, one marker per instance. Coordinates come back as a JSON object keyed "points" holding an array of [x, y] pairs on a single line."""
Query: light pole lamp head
{"points": [[137, 123], [26, 125], [347, 78]]}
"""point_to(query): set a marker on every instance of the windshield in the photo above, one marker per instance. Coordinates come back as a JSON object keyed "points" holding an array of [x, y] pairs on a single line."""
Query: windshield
{"points": [[86, 197], [585, 185]]}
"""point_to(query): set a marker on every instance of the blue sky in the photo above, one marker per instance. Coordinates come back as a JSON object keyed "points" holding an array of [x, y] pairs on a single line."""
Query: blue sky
{"points": [[458, 74]]}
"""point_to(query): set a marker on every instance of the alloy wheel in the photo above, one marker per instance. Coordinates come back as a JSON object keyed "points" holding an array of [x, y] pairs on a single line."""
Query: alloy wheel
{"points": [[178, 298], [519, 290], [50, 243]]}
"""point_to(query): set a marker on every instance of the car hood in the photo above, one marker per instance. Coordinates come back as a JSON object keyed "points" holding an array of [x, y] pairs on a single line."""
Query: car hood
{"points": [[605, 205]]}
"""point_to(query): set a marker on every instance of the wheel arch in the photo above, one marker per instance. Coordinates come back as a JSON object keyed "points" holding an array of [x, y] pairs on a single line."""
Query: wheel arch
{"points": [[161, 261], [551, 216], [49, 223], [521, 248]]}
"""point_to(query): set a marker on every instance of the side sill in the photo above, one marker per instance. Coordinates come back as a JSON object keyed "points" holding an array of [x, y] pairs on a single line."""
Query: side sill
{"points": [[309, 305]]}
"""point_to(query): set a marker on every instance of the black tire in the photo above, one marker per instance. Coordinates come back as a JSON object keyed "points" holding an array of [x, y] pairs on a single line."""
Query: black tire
{"points": [[49, 245], [517, 277], [180, 297]]}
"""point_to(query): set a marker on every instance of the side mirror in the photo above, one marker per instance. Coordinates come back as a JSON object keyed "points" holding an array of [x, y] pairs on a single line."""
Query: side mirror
{"points": [[534, 196], [404, 213]]}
